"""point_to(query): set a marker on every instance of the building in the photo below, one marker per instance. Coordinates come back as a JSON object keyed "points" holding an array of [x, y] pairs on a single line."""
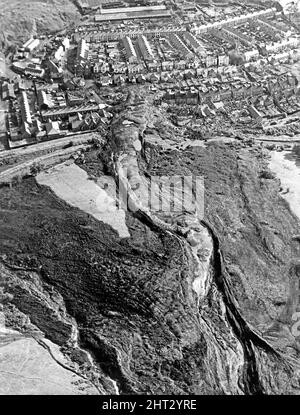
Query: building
{"points": [[8, 91], [26, 44], [54, 69], [59, 53], [167, 66], [56, 114], [292, 42], [101, 67], [236, 35], [223, 60], [52, 130], [74, 98], [34, 71], [33, 44], [255, 114], [130, 51], [82, 50], [119, 68], [26, 132], [118, 79], [25, 109], [133, 9], [37, 126], [233, 20], [66, 43], [145, 48], [251, 55], [193, 43], [18, 67], [211, 60], [44, 100], [130, 15], [179, 45]]}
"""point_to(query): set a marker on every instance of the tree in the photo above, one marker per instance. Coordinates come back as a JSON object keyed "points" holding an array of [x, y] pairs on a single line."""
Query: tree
{"points": [[15, 180], [35, 168]]}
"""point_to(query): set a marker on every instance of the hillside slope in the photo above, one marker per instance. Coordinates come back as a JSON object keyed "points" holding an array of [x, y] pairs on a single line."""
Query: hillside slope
{"points": [[21, 18], [132, 300]]}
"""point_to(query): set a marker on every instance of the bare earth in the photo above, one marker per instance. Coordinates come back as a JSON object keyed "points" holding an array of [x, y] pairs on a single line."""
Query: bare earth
{"points": [[70, 183], [27, 368], [289, 174]]}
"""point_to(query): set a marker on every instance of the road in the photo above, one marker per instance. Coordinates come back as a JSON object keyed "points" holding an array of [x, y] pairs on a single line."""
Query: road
{"points": [[45, 160], [48, 145], [281, 139]]}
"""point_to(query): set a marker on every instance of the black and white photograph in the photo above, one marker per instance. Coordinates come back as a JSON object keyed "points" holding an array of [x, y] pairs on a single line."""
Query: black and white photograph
{"points": [[149, 202]]}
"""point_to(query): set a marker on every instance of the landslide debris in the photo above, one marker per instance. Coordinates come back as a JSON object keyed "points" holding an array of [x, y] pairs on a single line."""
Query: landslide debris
{"points": [[132, 299]]}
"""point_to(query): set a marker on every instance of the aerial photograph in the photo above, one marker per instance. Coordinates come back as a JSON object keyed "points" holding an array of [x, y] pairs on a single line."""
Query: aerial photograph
{"points": [[149, 199]]}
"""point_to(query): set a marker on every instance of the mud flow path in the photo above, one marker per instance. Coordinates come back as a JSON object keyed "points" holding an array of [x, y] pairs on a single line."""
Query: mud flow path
{"points": [[197, 237]]}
